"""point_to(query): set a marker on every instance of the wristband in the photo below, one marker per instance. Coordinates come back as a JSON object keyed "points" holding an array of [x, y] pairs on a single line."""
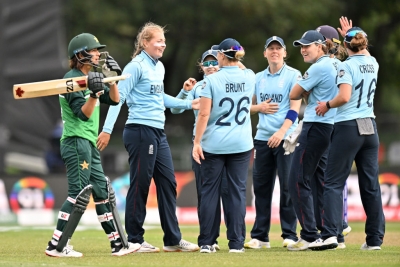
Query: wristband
{"points": [[327, 105], [291, 115]]}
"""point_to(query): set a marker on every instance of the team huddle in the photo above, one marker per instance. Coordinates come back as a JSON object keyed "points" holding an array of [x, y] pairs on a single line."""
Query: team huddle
{"points": [[312, 157]]}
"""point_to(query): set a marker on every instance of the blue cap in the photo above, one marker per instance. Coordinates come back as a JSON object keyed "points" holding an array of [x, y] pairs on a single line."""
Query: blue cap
{"points": [[210, 52], [352, 32], [275, 39], [229, 47], [310, 37]]}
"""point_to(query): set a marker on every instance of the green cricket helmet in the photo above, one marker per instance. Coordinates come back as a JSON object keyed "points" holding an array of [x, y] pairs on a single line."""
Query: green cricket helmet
{"points": [[83, 42]]}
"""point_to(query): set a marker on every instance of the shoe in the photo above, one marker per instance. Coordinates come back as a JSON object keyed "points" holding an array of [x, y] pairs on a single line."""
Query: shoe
{"points": [[341, 246], [216, 247], [207, 249], [147, 248], [346, 231], [66, 252], [366, 247], [319, 244], [257, 244], [183, 246], [236, 250], [298, 245], [287, 242], [118, 250]]}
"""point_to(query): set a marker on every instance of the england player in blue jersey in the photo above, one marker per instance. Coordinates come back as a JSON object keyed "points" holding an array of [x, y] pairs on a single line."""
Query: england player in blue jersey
{"points": [[319, 82], [223, 141], [145, 140], [208, 65], [336, 53], [273, 85], [356, 133]]}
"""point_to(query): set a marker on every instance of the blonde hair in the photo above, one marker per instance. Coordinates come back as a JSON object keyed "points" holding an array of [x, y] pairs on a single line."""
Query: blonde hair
{"points": [[328, 46], [341, 53], [146, 33], [359, 42], [239, 54]]}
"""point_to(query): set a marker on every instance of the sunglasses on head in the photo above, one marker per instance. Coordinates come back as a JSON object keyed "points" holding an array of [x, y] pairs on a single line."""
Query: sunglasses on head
{"points": [[210, 63], [354, 33]]}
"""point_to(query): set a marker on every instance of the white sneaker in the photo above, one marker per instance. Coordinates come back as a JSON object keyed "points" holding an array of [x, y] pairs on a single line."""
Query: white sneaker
{"points": [[346, 231], [341, 246], [119, 250], [236, 250], [216, 247], [299, 245], [147, 248], [287, 242], [257, 244], [319, 244], [66, 252], [366, 247], [207, 249], [183, 246]]}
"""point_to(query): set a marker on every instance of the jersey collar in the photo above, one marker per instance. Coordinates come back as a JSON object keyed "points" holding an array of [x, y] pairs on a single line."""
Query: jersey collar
{"points": [[154, 61], [276, 73], [321, 58]]}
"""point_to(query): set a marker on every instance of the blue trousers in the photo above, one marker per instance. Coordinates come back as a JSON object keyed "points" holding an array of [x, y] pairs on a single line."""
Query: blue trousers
{"points": [[313, 142], [212, 169], [224, 195], [363, 149], [150, 157], [266, 162], [317, 186]]}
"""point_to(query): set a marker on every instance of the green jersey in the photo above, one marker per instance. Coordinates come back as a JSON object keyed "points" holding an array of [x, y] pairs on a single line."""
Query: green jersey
{"points": [[76, 124]]}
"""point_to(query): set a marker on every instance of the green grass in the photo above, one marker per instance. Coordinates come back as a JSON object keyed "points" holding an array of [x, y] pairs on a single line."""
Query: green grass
{"points": [[25, 247]]}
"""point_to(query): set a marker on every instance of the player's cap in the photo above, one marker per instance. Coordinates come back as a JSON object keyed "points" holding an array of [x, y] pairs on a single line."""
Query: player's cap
{"points": [[210, 52], [83, 41], [310, 37], [352, 32], [274, 39], [329, 32], [229, 47]]}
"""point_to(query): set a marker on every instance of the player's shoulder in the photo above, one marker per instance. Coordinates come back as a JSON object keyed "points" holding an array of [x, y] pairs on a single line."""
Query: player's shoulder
{"points": [[73, 73], [291, 71], [137, 60], [249, 72]]}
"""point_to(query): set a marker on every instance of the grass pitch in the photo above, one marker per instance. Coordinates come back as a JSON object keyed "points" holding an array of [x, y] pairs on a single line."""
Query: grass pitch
{"points": [[25, 247]]}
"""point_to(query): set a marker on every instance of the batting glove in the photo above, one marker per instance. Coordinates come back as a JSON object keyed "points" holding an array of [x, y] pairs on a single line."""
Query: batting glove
{"points": [[112, 65], [95, 84], [290, 142]]}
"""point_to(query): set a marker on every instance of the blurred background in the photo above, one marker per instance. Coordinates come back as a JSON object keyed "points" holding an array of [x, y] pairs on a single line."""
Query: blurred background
{"points": [[34, 35]]}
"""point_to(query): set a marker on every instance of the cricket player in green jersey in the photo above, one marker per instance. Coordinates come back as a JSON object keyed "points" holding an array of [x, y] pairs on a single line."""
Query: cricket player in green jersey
{"points": [[80, 113]]}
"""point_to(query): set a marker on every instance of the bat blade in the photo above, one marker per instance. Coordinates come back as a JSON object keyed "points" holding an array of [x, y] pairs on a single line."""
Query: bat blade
{"points": [[55, 87]]}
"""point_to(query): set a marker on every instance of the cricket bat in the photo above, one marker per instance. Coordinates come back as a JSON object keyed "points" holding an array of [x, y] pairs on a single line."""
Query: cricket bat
{"points": [[55, 87]]}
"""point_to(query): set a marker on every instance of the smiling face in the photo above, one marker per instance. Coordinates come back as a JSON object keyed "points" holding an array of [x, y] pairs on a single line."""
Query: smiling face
{"points": [[156, 45], [275, 53], [210, 69], [311, 52]]}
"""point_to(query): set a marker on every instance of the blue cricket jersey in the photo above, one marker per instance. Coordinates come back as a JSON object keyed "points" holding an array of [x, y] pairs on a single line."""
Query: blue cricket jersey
{"points": [[229, 127], [336, 62], [361, 72], [320, 78], [143, 92], [276, 86]]}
